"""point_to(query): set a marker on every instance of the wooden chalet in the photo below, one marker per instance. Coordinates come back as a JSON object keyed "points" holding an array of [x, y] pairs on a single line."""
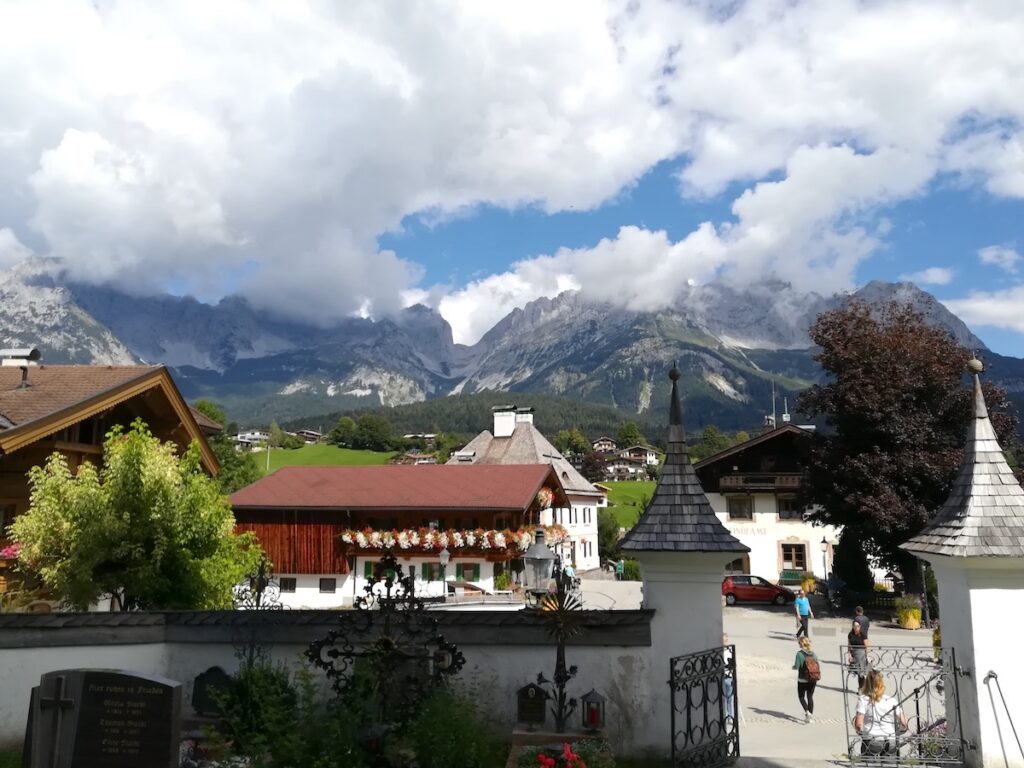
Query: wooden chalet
{"points": [[325, 527], [70, 408]]}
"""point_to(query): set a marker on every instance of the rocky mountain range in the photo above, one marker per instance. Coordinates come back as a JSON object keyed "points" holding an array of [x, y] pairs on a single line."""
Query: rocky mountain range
{"points": [[732, 346]]}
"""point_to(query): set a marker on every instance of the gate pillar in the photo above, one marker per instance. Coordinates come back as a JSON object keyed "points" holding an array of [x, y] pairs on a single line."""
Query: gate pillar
{"points": [[682, 549], [975, 544]]}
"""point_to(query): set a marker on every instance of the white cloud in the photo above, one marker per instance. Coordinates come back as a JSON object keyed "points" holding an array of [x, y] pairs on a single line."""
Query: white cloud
{"points": [[999, 309], [1002, 256], [930, 276], [12, 250], [197, 142]]}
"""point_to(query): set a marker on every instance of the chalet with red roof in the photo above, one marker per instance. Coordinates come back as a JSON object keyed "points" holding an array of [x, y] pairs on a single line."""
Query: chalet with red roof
{"points": [[324, 528]]}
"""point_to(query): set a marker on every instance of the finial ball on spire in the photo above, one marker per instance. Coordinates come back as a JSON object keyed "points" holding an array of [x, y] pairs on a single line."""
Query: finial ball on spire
{"points": [[674, 373], [974, 365]]}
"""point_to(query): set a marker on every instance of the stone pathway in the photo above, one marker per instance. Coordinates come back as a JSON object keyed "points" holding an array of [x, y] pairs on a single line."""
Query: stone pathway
{"points": [[771, 720]]}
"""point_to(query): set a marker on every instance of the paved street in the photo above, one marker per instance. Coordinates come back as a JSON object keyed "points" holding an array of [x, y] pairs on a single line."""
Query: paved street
{"points": [[771, 724]]}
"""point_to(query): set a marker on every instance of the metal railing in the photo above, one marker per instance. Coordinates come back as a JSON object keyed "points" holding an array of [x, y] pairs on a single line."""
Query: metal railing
{"points": [[988, 679]]}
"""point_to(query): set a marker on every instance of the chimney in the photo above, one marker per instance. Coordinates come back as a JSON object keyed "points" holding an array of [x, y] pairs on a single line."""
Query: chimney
{"points": [[504, 420], [785, 411], [21, 358], [524, 415]]}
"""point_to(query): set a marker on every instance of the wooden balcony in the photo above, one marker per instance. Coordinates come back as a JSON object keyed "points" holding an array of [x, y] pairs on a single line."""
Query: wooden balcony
{"points": [[760, 481]]}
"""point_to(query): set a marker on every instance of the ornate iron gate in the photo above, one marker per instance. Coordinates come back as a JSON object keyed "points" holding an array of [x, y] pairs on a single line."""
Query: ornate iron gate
{"points": [[923, 683], [705, 727]]}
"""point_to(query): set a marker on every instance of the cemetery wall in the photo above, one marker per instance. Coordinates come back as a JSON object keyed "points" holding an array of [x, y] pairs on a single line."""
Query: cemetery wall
{"points": [[503, 650]]}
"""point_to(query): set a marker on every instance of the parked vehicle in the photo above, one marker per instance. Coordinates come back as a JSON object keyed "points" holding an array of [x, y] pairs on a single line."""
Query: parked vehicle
{"points": [[744, 587]]}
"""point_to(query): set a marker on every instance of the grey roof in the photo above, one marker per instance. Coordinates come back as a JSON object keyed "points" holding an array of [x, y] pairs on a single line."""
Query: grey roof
{"points": [[984, 513], [526, 446], [679, 517]]}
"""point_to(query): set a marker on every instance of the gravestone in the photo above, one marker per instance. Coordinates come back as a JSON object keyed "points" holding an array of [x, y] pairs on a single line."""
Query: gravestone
{"points": [[206, 688], [100, 718], [531, 705]]}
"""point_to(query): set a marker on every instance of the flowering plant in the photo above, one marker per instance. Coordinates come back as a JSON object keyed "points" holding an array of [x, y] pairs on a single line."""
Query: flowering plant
{"points": [[10, 552], [432, 540], [545, 496]]}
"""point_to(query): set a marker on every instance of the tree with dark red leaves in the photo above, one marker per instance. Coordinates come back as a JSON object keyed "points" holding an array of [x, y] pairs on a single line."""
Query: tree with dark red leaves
{"points": [[897, 407]]}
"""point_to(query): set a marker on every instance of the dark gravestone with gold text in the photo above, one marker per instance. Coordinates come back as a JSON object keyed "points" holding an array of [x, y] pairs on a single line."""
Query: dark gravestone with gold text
{"points": [[98, 718], [531, 705]]}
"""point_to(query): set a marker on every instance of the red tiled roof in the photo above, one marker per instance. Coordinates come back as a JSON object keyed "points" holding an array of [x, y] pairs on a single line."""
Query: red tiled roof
{"points": [[423, 486], [53, 388]]}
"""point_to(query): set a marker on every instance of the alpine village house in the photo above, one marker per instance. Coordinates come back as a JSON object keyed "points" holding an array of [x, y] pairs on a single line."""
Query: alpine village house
{"points": [[325, 528], [70, 408]]}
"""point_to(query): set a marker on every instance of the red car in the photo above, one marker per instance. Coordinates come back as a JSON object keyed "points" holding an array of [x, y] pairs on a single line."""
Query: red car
{"points": [[747, 587]]}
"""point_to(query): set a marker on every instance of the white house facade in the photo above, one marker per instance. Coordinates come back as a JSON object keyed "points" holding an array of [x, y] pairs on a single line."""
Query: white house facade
{"points": [[515, 440], [752, 488]]}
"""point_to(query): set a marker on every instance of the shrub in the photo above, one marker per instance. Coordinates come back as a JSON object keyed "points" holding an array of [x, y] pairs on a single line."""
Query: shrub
{"points": [[631, 571], [448, 732], [808, 582], [503, 581], [881, 587], [907, 603]]}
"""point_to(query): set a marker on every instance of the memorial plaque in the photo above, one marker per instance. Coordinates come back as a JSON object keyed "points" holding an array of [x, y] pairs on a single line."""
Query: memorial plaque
{"points": [[531, 705], [98, 718], [205, 690]]}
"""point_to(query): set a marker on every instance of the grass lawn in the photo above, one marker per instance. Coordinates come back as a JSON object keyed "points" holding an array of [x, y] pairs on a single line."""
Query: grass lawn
{"points": [[10, 758], [319, 455], [626, 499]]}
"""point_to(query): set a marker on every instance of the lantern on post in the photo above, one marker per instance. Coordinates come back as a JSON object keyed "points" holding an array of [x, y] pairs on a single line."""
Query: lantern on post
{"points": [[593, 711], [540, 562]]}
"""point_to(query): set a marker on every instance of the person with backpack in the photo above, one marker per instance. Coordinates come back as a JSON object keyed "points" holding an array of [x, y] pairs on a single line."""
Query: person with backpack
{"points": [[808, 673]]}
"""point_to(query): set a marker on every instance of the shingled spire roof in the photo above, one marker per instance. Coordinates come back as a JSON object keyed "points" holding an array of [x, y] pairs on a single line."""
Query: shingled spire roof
{"points": [[984, 514], [679, 517]]}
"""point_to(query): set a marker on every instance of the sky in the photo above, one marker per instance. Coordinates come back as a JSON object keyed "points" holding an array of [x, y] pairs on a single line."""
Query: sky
{"points": [[324, 159]]}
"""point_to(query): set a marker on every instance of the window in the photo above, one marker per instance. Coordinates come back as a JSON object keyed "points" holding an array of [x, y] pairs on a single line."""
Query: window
{"points": [[788, 508], [328, 585], [467, 571], [432, 572], [736, 566], [368, 570], [586, 514], [794, 557], [740, 507], [745, 580], [288, 584]]}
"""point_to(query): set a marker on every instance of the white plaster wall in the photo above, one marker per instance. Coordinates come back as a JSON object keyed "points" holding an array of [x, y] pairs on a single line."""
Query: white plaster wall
{"points": [[997, 613], [685, 590], [582, 531], [307, 592], [21, 668], [766, 532]]}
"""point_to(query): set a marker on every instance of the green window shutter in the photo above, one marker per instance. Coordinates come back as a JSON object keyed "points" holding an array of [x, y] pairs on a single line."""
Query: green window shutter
{"points": [[440, 572], [368, 570], [425, 571], [459, 571], [476, 572]]}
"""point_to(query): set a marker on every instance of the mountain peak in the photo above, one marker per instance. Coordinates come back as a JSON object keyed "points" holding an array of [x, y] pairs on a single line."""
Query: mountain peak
{"points": [[935, 314]]}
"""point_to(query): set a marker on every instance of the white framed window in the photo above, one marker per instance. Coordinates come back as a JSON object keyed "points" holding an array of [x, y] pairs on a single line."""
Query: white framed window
{"points": [[740, 507]]}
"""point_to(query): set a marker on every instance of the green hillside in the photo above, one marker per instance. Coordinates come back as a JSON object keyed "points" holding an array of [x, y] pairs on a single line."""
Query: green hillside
{"points": [[320, 455], [626, 499]]}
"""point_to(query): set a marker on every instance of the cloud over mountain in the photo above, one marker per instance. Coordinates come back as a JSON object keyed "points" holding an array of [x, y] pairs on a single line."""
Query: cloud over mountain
{"points": [[264, 147]]}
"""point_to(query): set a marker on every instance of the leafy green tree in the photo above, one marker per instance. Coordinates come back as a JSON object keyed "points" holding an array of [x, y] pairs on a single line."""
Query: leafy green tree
{"points": [[607, 534], [592, 467], [237, 468], [344, 432], [897, 410], [211, 410], [292, 442], [578, 443], [445, 444], [149, 528], [711, 441], [629, 434], [373, 433], [277, 436], [740, 437], [561, 441]]}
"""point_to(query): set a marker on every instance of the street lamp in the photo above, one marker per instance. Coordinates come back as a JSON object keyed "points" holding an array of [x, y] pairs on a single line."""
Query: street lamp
{"points": [[445, 557], [824, 555], [540, 562]]}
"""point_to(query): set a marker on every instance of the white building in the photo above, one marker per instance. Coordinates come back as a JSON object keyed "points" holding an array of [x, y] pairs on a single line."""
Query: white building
{"points": [[648, 454], [753, 489], [251, 439], [515, 440], [604, 445]]}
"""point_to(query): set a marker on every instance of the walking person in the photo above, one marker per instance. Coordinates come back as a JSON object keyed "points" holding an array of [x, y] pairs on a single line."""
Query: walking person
{"points": [[857, 642], [808, 673], [804, 614], [879, 717], [728, 684], [860, 618]]}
